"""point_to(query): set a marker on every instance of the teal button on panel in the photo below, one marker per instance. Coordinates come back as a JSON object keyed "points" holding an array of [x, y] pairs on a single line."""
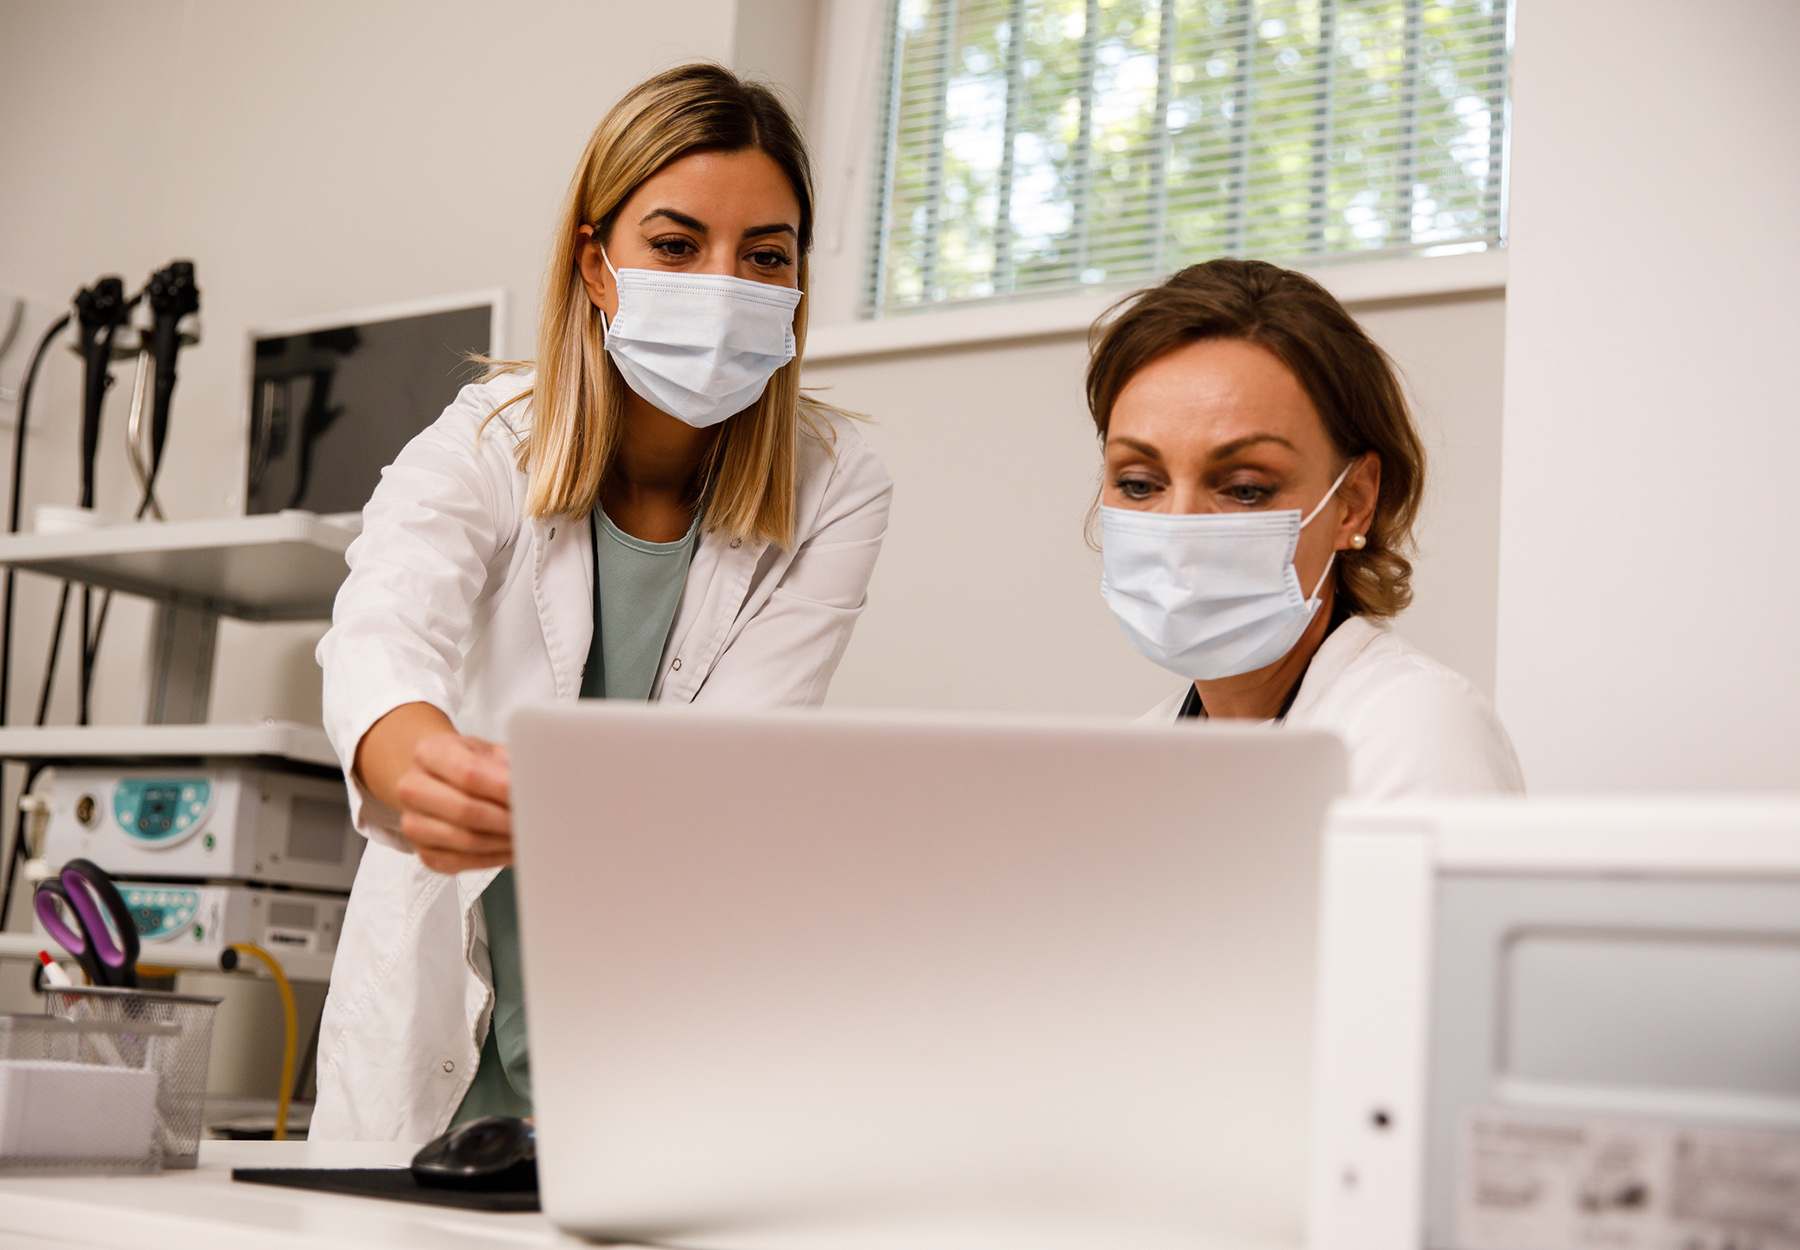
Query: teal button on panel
{"points": [[159, 911], [155, 811]]}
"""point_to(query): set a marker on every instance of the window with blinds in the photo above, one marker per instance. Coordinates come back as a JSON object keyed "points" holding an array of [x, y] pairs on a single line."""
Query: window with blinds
{"points": [[1030, 146]]}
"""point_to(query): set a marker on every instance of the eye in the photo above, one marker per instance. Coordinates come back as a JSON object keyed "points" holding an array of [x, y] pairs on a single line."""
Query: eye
{"points": [[771, 259], [673, 247], [1135, 488], [1247, 494]]}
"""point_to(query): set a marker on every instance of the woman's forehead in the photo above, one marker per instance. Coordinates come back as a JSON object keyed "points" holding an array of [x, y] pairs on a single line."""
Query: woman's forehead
{"points": [[746, 184], [1204, 395]]}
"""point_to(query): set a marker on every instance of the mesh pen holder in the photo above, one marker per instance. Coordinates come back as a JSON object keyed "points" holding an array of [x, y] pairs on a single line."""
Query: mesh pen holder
{"points": [[78, 1097], [175, 1033]]}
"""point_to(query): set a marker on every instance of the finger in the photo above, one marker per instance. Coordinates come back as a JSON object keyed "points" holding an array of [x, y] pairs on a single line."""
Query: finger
{"points": [[429, 833], [492, 750], [449, 862], [469, 764], [427, 795]]}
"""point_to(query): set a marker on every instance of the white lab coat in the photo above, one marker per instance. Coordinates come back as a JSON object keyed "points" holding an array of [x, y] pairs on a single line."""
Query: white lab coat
{"points": [[1411, 726], [457, 599]]}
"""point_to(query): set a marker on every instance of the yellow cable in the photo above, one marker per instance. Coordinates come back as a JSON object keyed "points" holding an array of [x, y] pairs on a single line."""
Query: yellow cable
{"points": [[293, 1029]]}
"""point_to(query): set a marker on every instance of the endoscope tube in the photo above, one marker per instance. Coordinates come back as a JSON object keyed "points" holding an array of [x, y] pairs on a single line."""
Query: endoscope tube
{"points": [[18, 488], [99, 311], [173, 296]]}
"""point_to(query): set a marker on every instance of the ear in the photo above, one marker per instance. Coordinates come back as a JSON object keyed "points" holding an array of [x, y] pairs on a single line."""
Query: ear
{"points": [[594, 275], [1361, 488]]}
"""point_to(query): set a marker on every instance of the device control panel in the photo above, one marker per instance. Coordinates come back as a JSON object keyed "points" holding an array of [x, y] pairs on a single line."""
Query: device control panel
{"points": [[165, 911], [300, 928], [237, 823], [160, 812]]}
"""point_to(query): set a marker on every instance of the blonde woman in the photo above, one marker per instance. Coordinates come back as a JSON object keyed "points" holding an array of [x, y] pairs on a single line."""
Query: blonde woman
{"points": [[653, 510]]}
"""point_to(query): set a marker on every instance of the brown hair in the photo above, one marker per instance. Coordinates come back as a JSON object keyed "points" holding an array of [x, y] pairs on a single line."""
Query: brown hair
{"points": [[1349, 379], [749, 479]]}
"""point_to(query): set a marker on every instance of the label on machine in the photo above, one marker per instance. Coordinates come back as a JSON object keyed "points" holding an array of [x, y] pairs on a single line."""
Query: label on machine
{"points": [[1542, 1182]]}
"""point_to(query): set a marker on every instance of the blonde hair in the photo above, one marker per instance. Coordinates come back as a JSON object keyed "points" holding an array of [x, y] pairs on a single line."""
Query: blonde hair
{"points": [[749, 478]]}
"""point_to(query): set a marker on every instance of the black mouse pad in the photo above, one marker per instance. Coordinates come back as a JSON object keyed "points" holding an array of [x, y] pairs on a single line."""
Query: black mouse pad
{"points": [[395, 1184]]}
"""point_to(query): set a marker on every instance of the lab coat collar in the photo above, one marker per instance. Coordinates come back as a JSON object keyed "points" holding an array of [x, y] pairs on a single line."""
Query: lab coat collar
{"points": [[1339, 650]]}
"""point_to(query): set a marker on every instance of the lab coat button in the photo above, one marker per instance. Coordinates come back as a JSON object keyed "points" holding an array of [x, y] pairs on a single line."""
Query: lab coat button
{"points": [[677, 664], [449, 1065], [737, 542]]}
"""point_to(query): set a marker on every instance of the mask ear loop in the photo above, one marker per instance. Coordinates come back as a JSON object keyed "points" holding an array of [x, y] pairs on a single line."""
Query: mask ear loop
{"points": [[1320, 584], [1319, 507], [604, 328]]}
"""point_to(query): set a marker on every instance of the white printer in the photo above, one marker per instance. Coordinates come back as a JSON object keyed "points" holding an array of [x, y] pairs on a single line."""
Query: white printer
{"points": [[1559, 1024]]}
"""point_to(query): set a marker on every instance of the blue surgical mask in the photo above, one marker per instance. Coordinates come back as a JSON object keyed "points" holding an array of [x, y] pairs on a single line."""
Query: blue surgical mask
{"points": [[1209, 594], [699, 346]]}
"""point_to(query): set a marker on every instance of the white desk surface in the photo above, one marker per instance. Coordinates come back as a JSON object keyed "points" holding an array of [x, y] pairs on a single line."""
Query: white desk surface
{"points": [[205, 1209]]}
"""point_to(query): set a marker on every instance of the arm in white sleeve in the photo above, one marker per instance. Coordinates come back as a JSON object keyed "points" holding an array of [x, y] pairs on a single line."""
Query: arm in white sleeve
{"points": [[423, 562]]}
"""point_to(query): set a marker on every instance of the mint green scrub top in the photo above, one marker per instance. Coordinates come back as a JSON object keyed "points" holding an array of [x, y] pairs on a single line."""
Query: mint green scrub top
{"points": [[637, 587]]}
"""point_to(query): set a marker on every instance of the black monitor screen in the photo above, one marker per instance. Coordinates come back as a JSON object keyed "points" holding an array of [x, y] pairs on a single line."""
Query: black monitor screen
{"points": [[330, 408]]}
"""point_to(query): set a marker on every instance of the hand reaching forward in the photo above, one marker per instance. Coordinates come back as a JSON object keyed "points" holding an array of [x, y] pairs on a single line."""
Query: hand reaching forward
{"points": [[455, 803], [453, 792]]}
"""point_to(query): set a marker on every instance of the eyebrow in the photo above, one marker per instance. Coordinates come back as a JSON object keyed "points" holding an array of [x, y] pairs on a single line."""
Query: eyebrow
{"points": [[1136, 445], [1238, 444], [1222, 452], [699, 227]]}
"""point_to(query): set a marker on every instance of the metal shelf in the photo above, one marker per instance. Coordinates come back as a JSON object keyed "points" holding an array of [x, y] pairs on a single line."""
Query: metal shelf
{"points": [[197, 957], [285, 566], [279, 740]]}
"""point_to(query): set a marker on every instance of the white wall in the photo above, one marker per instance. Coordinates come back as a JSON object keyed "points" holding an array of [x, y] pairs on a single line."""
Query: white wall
{"points": [[1648, 594], [776, 41]]}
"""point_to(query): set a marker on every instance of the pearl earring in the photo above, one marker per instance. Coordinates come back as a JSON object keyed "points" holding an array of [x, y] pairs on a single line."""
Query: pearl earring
{"points": [[1358, 541]]}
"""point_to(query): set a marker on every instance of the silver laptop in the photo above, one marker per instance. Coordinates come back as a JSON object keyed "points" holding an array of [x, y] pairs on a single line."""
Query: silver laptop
{"points": [[895, 980]]}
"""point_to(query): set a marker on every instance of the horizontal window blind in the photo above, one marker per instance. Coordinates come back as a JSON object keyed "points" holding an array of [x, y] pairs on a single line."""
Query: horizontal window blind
{"points": [[1030, 146]]}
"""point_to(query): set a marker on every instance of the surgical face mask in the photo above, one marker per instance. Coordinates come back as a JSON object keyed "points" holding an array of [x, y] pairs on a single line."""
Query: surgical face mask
{"points": [[1209, 594], [699, 346]]}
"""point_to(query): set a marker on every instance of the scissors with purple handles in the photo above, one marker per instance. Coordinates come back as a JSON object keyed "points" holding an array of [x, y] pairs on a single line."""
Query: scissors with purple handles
{"points": [[104, 937]]}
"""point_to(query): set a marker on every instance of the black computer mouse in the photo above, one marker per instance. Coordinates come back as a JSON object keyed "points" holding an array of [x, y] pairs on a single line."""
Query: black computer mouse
{"points": [[495, 1152]]}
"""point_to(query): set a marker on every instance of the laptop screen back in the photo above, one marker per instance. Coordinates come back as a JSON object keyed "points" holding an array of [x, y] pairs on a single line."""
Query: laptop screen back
{"points": [[857, 980]]}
